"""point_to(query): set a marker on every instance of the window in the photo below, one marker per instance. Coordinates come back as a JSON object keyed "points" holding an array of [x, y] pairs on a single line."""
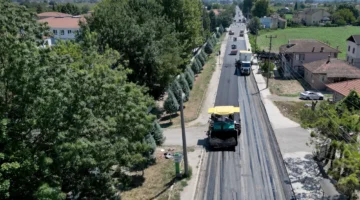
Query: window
{"points": [[62, 32], [69, 31], [347, 58], [349, 48], [297, 57], [322, 78], [352, 61], [55, 32], [335, 55], [301, 56], [353, 50]]}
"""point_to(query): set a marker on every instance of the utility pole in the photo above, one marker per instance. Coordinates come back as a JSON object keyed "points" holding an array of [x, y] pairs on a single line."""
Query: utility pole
{"points": [[183, 134], [256, 33], [268, 70]]}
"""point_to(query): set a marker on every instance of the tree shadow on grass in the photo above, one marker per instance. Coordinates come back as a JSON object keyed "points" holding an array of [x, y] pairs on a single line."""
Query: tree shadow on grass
{"points": [[167, 186], [166, 125], [168, 117]]}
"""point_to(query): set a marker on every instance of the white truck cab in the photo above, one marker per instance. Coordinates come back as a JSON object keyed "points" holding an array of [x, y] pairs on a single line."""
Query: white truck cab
{"points": [[244, 62]]}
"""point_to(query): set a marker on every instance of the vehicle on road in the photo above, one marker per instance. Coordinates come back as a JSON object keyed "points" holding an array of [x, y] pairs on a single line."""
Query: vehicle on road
{"points": [[311, 95], [233, 46], [235, 38], [244, 62], [244, 20], [231, 32], [241, 33], [223, 130]]}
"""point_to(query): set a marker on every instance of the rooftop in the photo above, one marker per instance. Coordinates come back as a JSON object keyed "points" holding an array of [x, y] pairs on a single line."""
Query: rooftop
{"points": [[345, 87], [53, 14], [355, 39], [307, 46], [62, 22], [333, 68]]}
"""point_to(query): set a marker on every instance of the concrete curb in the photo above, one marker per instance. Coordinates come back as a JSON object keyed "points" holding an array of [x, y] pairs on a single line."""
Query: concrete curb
{"points": [[198, 174]]}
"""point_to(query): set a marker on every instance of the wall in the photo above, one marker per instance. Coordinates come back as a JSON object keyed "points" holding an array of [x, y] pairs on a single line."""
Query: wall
{"points": [[315, 80], [310, 57], [337, 97], [66, 35], [353, 56]]}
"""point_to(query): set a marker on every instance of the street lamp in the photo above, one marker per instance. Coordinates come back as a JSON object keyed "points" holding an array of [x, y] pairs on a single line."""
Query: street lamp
{"points": [[183, 131]]}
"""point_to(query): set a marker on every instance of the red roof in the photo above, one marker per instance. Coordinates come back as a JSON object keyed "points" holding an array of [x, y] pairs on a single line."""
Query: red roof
{"points": [[59, 22], [345, 87], [333, 68], [53, 14]]}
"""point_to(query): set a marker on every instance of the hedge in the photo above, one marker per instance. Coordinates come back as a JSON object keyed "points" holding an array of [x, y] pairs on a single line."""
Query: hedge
{"points": [[185, 86], [171, 104], [177, 90]]}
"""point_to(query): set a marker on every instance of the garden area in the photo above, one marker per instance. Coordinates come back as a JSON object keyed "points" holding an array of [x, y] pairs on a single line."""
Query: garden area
{"points": [[333, 36]]}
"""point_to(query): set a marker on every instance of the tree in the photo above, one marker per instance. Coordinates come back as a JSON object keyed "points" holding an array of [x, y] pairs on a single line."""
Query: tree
{"points": [[203, 54], [254, 25], [248, 4], [343, 15], [194, 66], [213, 21], [189, 79], [201, 59], [177, 90], [157, 133], [184, 86], [68, 8], [261, 8], [208, 48], [198, 63], [171, 105], [148, 42], [296, 6], [206, 24], [352, 9], [302, 6], [218, 35], [67, 125]]}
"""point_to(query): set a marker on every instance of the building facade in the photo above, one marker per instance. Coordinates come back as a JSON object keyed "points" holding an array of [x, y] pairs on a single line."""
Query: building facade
{"points": [[353, 50]]}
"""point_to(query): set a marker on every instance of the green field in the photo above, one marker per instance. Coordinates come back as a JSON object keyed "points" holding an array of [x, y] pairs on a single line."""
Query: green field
{"points": [[334, 36]]}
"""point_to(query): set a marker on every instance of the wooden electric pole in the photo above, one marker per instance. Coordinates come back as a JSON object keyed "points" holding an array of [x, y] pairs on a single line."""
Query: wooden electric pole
{"points": [[268, 69]]}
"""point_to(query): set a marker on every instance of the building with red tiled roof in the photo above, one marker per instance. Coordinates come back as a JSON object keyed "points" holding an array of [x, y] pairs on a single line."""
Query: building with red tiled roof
{"points": [[331, 70], [342, 89], [52, 14], [63, 27]]}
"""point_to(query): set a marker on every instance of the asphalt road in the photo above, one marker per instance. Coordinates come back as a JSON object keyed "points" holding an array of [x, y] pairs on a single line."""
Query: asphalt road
{"points": [[255, 171]]}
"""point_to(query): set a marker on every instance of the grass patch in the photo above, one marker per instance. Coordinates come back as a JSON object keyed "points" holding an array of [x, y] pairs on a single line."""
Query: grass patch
{"points": [[334, 36], [288, 16], [193, 106], [287, 88], [158, 182], [290, 109]]}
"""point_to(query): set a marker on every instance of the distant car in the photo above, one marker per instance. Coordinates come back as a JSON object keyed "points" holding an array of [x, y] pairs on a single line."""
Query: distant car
{"points": [[311, 95], [231, 33], [233, 52], [235, 38], [233, 46]]}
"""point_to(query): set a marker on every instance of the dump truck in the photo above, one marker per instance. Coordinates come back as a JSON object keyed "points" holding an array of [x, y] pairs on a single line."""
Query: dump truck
{"points": [[244, 63], [223, 131]]}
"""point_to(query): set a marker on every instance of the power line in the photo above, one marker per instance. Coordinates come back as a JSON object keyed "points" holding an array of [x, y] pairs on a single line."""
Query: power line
{"points": [[268, 69]]}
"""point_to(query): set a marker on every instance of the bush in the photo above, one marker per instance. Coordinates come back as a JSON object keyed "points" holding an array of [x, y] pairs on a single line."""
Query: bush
{"points": [[340, 22], [157, 133], [149, 139], [177, 90], [221, 29], [210, 41], [218, 34], [264, 66], [185, 86], [171, 105], [191, 73], [201, 59], [189, 79], [194, 66], [203, 54], [209, 49], [200, 66]]}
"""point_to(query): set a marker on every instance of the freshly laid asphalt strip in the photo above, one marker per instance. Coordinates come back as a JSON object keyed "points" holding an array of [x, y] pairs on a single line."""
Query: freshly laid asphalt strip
{"points": [[255, 170]]}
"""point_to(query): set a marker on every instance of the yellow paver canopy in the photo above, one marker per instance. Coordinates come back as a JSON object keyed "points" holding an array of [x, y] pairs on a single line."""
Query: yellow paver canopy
{"points": [[224, 110]]}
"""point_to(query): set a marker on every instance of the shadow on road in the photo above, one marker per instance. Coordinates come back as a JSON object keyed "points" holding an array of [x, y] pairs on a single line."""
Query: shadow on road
{"points": [[205, 144]]}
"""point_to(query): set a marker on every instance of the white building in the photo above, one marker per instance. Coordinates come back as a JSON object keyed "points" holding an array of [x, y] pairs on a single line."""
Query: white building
{"points": [[63, 28], [353, 50]]}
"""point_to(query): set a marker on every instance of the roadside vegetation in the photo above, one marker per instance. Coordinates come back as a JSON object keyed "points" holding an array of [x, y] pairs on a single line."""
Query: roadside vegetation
{"points": [[285, 87], [335, 131], [75, 117], [291, 109]]}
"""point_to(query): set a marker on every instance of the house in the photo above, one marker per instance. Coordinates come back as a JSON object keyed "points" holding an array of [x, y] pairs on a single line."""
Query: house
{"points": [[273, 22], [312, 16], [296, 53], [52, 14], [353, 50], [64, 28], [342, 89], [331, 70]]}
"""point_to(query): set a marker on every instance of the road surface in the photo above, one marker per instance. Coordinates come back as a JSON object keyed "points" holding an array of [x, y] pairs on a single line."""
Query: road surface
{"points": [[255, 171]]}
